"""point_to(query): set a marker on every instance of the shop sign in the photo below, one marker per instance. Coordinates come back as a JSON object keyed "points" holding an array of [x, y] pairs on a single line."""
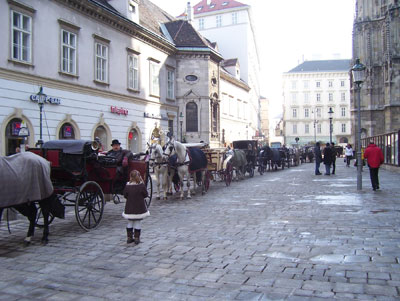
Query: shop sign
{"points": [[52, 100], [155, 116], [119, 111]]}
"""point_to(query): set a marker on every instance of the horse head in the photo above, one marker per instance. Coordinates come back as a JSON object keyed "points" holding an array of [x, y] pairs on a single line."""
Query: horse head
{"points": [[156, 153]]}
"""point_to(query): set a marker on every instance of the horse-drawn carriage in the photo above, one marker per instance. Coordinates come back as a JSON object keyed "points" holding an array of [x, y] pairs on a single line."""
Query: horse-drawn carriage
{"points": [[217, 164], [250, 148], [81, 176]]}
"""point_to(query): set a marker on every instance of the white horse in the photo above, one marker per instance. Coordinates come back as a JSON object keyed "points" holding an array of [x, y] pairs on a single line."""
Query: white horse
{"points": [[182, 166], [163, 174]]}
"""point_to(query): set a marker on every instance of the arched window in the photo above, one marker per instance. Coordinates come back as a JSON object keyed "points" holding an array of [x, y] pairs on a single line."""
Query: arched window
{"points": [[191, 117], [101, 133], [133, 138], [12, 136], [344, 140], [66, 131]]}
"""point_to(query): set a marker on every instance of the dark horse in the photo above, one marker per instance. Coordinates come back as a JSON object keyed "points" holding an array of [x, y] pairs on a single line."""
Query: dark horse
{"points": [[272, 157], [25, 181]]}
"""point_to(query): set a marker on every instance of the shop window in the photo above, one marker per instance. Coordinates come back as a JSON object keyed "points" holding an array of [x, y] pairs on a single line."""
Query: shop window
{"points": [[66, 132], [191, 117], [133, 141], [12, 138], [101, 133]]}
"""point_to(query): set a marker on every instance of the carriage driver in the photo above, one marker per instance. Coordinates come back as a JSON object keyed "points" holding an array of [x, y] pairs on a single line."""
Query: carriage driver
{"points": [[122, 156]]}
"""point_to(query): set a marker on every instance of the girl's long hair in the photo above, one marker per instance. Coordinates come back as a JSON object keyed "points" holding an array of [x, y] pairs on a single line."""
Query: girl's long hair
{"points": [[135, 178]]}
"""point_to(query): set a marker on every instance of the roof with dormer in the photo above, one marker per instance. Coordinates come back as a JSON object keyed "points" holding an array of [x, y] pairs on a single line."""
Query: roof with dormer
{"points": [[216, 5], [183, 34]]}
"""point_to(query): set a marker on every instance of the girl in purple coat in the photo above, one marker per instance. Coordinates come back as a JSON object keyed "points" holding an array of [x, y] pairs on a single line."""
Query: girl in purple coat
{"points": [[135, 193]]}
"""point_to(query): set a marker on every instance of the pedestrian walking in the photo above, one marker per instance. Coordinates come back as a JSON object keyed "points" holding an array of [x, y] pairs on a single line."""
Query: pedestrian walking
{"points": [[328, 159], [348, 152], [334, 155], [318, 158], [374, 156], [135, 193]]}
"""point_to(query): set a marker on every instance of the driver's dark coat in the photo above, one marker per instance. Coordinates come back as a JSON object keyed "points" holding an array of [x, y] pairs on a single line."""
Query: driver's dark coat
{"points": [[119, 155]]}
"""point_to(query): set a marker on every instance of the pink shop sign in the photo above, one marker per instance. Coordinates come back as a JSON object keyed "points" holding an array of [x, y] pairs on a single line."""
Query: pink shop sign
{"points": [[119, 111]]}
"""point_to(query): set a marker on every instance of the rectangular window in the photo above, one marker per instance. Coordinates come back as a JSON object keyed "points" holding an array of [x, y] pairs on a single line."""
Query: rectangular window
{"points": [[234, 18], [225, 104], [21, 32], [306, 112], [294, 98], [343, 128], [343, 96], [294, 113], [330, 84], [318, 84], [319, 128], [342, 83], [318, 97], [306, 97], [307, 129], [154, 79], [330, 96], [319, 115], [201, 24], [219, 20], [306, 84], [68, 52], [343, 110], [101, 62], [294, 128], [170, 84], [133, 72], [294, 85], [171, 127]]}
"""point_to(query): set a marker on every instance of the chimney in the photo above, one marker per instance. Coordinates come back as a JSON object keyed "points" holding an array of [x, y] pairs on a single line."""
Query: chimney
{"points": [[189, 12]]}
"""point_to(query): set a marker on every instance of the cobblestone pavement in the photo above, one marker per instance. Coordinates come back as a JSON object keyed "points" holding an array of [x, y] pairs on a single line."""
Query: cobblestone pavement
{"points": [[286, 235]]}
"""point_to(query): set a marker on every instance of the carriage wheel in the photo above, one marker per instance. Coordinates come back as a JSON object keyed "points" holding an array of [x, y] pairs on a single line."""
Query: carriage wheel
{"points": [[207, 180], [149, 186], [89, 205], [39, 222], [228, 174]]}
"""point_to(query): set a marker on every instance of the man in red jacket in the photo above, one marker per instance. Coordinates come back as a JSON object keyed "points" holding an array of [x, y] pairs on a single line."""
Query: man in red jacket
{"points": [[374, 156]]}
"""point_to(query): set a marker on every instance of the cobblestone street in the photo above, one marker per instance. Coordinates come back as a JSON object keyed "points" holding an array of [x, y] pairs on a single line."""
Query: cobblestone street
{"points": [[286, 235]]}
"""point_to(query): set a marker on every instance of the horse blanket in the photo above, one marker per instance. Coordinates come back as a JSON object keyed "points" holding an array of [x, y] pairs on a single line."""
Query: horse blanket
{"points": [[195, 157], [24, 177]]}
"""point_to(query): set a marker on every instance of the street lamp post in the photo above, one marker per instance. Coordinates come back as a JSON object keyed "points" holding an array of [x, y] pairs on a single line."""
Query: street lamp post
{"points": [[315, 130], [41, 99], [181, 122], [330, 124], [358, 72]]}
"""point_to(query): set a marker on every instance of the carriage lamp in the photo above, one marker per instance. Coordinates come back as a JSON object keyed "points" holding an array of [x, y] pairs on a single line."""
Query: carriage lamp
{"points": [[330, 124], [358, 73], [181, 122], [41, 98]]}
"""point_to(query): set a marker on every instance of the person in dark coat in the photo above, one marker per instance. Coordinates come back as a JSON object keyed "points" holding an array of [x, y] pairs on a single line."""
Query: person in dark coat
{"points": [[374, 156], [123, 157], [318, 158], [334, 155], [135, 193], [328, 159]]}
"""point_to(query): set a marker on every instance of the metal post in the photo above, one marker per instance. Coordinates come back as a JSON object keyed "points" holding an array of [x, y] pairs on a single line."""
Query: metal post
{"points": [[330, 130], [359, 163], [181, 130], [40, 142]]}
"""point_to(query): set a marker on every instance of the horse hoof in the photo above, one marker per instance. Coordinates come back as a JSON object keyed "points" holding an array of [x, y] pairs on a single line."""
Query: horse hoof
{"points": [[165, 198], [26, 243], [189, 197], [44, 241], [158, 198]]}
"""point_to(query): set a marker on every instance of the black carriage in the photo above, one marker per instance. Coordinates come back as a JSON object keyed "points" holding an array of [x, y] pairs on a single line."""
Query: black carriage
{"points": [[250, 147], [81, 176]]}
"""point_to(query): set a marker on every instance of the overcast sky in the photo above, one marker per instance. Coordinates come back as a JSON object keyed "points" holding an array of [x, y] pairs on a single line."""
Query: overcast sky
{"points": [[288, 31]]}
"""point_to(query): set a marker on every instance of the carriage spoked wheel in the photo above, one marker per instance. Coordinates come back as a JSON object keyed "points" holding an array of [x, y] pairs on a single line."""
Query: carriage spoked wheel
{"points": [[89, 205], [149, 186], [228, 174], [39, 222]]}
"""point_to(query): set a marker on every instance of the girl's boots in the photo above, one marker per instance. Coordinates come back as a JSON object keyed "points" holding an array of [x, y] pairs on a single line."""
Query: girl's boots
{"points": [[137, 236], [129, 234]]}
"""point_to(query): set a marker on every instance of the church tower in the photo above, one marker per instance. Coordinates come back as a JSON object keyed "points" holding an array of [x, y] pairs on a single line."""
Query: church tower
{"points": [[376, 42]]}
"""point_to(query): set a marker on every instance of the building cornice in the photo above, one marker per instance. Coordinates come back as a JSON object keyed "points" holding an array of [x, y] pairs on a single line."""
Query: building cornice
{"points": [[229, 78], [76, 88], [118, 22]]}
